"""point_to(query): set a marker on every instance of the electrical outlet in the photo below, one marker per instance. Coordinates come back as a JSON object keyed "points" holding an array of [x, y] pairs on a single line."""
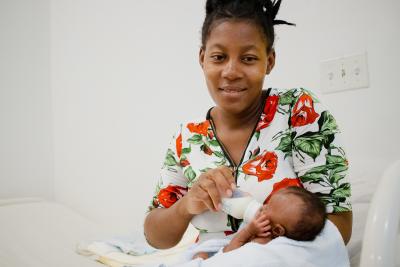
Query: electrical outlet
{"points": [[346, 73]]}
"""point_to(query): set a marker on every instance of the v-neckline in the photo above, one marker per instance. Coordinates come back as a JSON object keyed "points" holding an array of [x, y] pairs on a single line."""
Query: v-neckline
{"points": [[232, 163]]}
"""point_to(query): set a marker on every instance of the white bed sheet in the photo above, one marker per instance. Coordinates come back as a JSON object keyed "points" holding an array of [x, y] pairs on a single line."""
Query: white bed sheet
{"points": [[36, 233]]}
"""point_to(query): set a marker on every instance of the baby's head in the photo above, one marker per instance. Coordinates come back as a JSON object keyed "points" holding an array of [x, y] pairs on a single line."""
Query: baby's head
{"points": [[295, 213]]}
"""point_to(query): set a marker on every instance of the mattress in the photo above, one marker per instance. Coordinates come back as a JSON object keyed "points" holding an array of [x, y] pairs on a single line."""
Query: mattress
{"points": [[38, 233]]}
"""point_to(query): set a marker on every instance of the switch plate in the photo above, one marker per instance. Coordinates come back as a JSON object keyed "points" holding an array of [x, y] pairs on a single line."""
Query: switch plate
{"points": [[346, 73]]}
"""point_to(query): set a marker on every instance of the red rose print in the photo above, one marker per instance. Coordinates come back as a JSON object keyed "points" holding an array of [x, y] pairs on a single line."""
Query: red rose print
{"points": [[271, 105], [283, 184], [179, 145], [229, 233], [155, 203], [263, 166], [303, 111], [200, 128], [210, 134], [206, 149], [184, 163], [169, 195]]}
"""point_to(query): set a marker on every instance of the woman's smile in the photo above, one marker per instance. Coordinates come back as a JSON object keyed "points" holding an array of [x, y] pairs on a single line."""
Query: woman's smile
{"points": [[232, 90]]}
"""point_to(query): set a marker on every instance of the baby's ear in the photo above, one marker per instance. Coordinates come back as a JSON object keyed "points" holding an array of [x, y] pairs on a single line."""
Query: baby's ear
{"points": [[278, 230]]}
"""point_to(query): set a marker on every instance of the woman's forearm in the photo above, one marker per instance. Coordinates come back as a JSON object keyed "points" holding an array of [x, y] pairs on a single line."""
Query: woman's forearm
{"points": [[164, 228], [343, 221]]}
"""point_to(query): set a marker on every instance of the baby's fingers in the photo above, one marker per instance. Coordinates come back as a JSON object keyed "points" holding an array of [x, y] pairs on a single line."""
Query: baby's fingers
{"points": [[264, 223], [264, 234], [260, 218], [266, 228]]}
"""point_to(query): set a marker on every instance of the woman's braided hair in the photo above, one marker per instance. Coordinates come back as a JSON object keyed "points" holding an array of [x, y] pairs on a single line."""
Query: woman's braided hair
{"points": [[261, 12]]}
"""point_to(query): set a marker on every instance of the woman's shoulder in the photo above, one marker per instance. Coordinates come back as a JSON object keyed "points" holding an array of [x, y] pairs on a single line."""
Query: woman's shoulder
{"points": [[199, 125], [296, 91], [290, 96]]}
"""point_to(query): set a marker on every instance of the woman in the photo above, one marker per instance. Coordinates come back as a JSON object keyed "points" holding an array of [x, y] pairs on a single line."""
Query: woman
{"points": [[258, 140]]}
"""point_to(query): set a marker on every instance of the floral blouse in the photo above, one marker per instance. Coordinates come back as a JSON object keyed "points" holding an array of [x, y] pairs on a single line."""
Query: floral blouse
{"points": [[295, 143]]}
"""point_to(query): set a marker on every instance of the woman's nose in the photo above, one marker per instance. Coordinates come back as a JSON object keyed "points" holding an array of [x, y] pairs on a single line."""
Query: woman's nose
{"points": [[231, 70]]}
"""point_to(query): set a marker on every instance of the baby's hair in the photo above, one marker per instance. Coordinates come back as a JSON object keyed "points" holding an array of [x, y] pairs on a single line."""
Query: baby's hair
{"points": [[260, 12], [312, 215]]}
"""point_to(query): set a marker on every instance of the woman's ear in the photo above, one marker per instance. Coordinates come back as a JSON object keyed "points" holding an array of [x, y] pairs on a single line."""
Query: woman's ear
{"points": [[201, 57], [270, 61], [278, 230]]}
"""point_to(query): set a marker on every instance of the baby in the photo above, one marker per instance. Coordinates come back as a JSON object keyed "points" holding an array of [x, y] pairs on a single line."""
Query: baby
{"points": [[292, 212]]}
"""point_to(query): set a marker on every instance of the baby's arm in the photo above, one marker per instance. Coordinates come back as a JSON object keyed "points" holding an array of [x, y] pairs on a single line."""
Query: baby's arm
{"points": [[258, 228]]}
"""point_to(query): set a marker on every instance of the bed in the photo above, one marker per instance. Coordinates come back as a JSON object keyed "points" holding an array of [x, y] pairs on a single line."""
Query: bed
{"points": [[40, 233]]}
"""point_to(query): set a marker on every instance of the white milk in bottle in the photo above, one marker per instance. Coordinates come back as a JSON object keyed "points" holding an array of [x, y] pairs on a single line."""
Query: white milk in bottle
{"points": [[240, 205]]}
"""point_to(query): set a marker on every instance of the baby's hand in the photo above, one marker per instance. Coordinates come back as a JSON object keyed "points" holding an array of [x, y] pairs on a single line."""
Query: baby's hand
{"points": [[260, 226]]}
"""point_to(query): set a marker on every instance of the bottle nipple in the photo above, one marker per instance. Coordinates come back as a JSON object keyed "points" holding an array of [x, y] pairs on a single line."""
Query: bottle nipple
{"points": [[251, 210]]}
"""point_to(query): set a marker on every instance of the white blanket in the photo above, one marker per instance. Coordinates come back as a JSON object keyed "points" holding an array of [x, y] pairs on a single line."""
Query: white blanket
{"points": [[327, 250]]}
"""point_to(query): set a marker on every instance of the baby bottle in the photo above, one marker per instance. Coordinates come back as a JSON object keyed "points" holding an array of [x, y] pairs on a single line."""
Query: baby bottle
{"points": [[241, 205]]}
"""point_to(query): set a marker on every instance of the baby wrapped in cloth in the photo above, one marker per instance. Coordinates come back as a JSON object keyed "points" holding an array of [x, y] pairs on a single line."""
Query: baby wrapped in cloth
{"points": [[296, 240]]}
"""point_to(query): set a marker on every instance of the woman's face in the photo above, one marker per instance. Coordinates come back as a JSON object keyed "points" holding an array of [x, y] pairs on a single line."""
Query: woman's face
{"points": [[235, 62]]}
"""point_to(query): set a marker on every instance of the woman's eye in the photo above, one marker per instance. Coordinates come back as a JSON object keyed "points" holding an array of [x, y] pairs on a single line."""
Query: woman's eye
{"points": [[249, 59], [217, 57]]}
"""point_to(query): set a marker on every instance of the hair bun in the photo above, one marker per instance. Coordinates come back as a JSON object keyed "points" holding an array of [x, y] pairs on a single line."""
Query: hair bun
{"points": [[212, 5], [271, 8]]}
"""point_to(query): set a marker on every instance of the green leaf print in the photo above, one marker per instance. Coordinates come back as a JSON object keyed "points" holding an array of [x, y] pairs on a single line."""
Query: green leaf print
{"points": [[338, 169], [340, 209], [327, 123], [313, 177], [285, 144], [343, 191], [335, 178], [220, 163], [196, 139], [189, 173], [311, 145], [170, 158], [328, 139], [213, 143], [219, 154], [319, 169], [335, 160], [186, 150], [287, 98], [336, 163]]}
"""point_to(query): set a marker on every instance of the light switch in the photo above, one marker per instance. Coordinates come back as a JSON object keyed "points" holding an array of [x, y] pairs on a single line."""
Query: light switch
{"points": [[346, 73]]}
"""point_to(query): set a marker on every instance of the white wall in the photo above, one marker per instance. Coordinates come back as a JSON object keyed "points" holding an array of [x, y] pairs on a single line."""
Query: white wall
{"points": [[26, 153], [125, 72]]}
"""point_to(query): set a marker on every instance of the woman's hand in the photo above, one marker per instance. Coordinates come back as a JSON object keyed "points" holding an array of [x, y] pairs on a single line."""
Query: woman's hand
{"points": [[207, 191]]}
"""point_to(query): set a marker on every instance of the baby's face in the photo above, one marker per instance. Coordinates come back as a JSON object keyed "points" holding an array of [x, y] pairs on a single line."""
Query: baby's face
{"points": [[283, 209]]}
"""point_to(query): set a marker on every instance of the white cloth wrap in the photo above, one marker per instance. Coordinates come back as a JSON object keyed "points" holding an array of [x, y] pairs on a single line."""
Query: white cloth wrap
{"points": [[326, 250]]}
